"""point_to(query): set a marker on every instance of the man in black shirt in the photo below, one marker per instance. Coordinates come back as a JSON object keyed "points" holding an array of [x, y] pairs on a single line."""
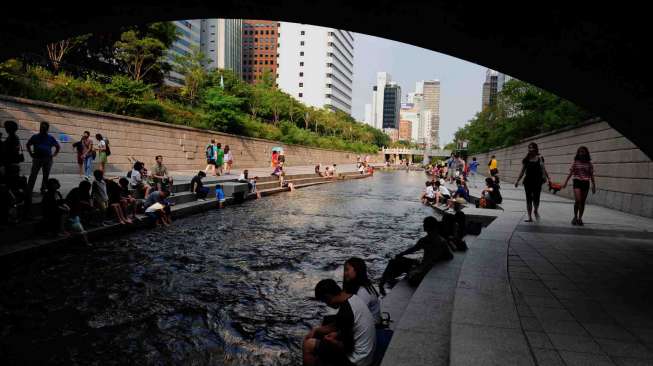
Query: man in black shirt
{"points": [[197, 187], [435, 250]]}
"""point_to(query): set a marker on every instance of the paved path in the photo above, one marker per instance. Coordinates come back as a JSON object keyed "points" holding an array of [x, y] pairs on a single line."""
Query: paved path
{"points": [[546, 293]]}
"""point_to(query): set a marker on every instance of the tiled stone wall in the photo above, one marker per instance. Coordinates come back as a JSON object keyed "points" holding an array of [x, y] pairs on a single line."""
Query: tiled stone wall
{"points": [[624, 174], [182, 147]]}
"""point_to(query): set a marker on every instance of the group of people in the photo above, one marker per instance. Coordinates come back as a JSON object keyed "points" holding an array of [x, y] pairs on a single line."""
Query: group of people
{"points": [[87, 152], [535, 175], [351, 336], [218, 160]]}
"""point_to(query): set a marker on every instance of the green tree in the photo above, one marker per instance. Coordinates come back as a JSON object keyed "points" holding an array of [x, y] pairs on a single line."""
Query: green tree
{"points": [[139, 55]]}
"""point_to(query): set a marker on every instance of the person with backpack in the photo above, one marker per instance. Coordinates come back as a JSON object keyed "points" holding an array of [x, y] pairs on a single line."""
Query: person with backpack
{"points": [[219, 159], [210, 157], [536, 175]]}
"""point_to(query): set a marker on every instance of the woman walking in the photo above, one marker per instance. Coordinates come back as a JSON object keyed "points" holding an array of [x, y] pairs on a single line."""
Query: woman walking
{"points": [[582, 171], [536, 175], [102, 151], [228, 160]]}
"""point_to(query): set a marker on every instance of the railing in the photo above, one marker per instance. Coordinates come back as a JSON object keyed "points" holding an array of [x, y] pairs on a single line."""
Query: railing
{"points": [[408, 151]]}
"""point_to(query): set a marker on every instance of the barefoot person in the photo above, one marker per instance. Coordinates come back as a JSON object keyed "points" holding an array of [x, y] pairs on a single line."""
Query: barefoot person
{"points": [[582, 171], [536, 175]]}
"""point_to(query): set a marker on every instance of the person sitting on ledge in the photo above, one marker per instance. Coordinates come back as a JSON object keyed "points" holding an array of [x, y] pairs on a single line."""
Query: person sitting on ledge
{"points": [[461, 196], [55, 209], [435, 250], [317, 170], [197, 187], [127, 202], [442, 194], [279, 173], [350, 340], [136, 180], [333, 171], [161, 209], [251, 183], [428, 196]]}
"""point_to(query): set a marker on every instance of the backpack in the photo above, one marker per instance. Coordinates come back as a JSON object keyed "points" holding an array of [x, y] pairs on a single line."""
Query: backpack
{"points": [[209, 151], [108, 149]]}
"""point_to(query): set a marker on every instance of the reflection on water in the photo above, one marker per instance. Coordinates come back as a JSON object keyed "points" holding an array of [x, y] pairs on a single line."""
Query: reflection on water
{"points": [[228, 287]]}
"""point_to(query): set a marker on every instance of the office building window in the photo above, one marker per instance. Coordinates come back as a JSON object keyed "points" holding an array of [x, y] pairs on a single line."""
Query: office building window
{"points": [[301, 63], [301, 43], [301, 95], [301, 53], [301, 74], [301, 85], [302, 33]]}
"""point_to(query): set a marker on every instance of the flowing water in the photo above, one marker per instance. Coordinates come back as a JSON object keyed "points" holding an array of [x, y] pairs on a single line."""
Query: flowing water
{"points": [[226, 287]]}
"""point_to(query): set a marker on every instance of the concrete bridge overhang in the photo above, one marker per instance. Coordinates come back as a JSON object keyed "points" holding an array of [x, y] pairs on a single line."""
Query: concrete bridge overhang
{"points": [[593, 54]]}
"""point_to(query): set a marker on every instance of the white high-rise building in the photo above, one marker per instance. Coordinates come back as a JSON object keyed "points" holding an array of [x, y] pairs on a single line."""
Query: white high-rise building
{"points": [[222, 43], [188, 37], [410, 112], [368, 114], [378, 92], [316, 65], [431, 102]]}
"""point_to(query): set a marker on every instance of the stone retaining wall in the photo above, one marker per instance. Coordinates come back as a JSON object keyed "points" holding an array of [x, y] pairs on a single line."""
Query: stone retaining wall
{"points": [[182, 147], [624, 174]]}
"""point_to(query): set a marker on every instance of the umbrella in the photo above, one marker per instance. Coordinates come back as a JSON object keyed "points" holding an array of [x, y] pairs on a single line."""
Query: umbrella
{"points": [[277, 149]]}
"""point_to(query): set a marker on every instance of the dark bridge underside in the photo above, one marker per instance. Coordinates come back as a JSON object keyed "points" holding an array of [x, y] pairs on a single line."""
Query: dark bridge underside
{"points": [[593, 55]]}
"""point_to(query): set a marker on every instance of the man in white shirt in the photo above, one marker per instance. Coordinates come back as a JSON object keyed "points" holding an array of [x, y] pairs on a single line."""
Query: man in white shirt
{"points": [[351, 340], [442, 194]]}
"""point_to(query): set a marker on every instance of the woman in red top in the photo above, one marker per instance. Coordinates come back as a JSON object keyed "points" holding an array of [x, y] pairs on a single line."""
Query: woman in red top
{"points": [[583, 172]]}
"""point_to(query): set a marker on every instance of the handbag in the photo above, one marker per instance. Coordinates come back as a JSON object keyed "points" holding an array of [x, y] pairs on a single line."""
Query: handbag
{"points": [[544, 179]]}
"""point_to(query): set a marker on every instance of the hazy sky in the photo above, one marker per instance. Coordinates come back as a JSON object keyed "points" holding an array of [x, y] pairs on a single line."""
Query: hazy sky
{"points": [[461, 82]]}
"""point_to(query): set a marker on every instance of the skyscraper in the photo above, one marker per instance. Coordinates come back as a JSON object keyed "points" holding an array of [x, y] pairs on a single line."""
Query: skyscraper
{"points": [[260, 40], [391, 105], [431, 103], [378, 94], [490, 88], [368, 114], [316, 65], [188, 37], [221, 42]]}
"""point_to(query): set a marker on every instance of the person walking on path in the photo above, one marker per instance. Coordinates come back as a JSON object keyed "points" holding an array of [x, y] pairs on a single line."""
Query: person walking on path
{"points": [[85, 155], [536, 175], [473, 169], [102, 148], [210, 157], [42, 156], [582, 171], [228, 160], [219, 159], [493, 165]]}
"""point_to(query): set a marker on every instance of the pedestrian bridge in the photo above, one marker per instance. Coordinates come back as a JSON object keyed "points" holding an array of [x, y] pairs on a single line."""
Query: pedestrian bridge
{"points": [[426, 152]]}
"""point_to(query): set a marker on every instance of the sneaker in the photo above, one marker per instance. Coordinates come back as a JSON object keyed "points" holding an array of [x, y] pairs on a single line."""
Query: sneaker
{"points": [[574, 221]]}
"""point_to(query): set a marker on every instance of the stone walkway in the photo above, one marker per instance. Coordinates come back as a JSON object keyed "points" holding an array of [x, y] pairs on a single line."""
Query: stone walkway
{"points": [[547, 293]]}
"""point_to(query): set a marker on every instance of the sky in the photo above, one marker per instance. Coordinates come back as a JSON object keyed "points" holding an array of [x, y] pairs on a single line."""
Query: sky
{"points": [[461, 82]]}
